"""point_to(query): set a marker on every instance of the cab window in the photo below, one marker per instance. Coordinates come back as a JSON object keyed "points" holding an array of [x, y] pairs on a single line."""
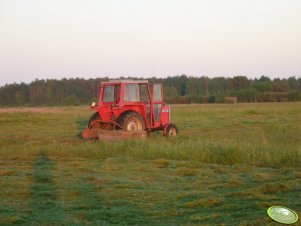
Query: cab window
{"points": [[111, 94], [108, 95], [131, 92], [157, 92], [143, 93]]}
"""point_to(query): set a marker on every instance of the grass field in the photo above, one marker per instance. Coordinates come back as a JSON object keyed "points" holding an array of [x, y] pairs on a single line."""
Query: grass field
{"points": [[228, 165]]}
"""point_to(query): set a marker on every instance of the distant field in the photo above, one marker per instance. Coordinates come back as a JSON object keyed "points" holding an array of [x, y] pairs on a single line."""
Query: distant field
{"points": [[229, 163]]}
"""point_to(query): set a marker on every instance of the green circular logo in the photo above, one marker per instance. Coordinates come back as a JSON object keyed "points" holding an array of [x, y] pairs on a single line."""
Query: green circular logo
{"points": [[282, 214]]}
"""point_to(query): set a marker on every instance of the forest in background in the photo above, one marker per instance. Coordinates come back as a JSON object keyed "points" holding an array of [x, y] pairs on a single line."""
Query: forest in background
{"points": [[177, 89]]}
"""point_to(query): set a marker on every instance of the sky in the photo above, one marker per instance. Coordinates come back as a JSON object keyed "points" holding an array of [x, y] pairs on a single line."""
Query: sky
{"points": [[53, 39]]}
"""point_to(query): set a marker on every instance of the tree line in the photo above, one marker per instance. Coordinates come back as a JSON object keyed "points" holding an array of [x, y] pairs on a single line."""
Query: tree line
{"points": [[177, 89]]}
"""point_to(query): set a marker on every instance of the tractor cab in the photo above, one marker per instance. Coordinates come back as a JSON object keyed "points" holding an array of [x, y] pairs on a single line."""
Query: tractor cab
{"points": [[133, 106]]}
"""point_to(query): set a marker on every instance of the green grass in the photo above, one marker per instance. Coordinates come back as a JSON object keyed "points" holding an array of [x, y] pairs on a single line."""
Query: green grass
{"points": [[228, 165]]}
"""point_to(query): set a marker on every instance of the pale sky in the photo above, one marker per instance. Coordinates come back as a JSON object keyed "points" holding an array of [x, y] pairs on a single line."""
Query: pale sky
{"points": [[95, 38]]}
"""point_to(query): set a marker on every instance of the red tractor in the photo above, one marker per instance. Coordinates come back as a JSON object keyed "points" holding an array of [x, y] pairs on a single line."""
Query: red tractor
{"points": [[130, 106]]}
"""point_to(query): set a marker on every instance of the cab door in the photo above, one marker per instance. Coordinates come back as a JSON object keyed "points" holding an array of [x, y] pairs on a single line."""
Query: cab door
{"points": [[110, 97], [144, 97], [157, 102]]}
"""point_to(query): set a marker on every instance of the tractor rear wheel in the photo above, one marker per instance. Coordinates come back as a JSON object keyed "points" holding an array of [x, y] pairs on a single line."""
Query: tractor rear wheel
{"points": [[133, 122], [170, 131]]}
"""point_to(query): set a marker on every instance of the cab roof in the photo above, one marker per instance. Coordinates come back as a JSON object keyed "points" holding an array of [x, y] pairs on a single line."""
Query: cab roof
{"points": [[126, 81]]}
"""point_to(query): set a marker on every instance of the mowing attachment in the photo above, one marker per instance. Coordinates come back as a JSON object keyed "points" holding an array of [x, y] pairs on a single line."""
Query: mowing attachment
{"points": [[112, 135]]}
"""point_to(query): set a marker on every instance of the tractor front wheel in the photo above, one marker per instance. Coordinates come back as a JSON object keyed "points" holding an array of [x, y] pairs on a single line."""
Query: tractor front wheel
{"points": [[133, 122], [170, 130]]}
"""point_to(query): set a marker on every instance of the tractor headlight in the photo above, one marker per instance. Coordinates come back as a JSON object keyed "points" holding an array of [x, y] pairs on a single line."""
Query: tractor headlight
{"points": [[93, 104]]}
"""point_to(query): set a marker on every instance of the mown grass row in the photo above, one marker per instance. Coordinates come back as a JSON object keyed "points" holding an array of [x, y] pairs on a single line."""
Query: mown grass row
{"points": [[51, 190], [276, 156]]}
